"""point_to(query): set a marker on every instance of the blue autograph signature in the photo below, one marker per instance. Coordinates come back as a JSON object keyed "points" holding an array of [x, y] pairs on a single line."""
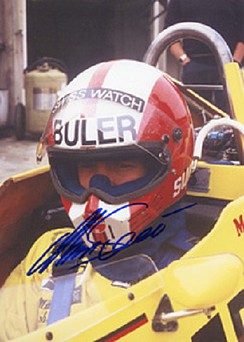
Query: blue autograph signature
{"points": [[70, 246]]}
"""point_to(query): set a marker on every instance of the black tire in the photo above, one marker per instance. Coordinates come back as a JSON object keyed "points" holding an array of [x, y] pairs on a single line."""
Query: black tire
{"points": [[19, 121]]}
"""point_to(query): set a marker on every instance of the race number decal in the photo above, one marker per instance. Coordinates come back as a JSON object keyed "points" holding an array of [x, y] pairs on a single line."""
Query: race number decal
{"points": [[214, 331], [236, 307]]}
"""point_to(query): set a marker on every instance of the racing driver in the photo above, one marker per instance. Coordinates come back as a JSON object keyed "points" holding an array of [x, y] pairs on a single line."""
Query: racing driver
{"points": [[120, 143]]}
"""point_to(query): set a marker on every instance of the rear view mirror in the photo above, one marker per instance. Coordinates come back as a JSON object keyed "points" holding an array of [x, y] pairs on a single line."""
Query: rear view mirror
{"points": [[198, 282]]}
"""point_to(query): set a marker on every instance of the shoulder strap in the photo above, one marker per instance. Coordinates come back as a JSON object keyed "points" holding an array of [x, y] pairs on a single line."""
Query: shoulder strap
{"points": [[64, 284], [62, 298]]}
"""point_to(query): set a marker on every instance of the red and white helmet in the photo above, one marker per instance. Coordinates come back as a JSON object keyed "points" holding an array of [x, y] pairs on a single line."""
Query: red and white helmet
{"points": [[115, 109]]}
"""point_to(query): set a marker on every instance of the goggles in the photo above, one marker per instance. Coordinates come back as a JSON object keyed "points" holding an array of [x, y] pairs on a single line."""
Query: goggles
{"points": [[65, 173]]}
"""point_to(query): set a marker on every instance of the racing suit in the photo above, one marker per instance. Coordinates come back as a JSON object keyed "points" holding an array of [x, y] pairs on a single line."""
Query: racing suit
{"points": [[32, 294], [25, 300]]}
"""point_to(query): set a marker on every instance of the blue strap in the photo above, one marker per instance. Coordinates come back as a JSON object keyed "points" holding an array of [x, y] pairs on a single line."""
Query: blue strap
{"points": [[62, 298]]}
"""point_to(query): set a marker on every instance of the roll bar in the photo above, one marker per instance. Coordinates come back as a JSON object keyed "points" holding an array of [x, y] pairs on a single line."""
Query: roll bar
{"points": [[208, 36], [201, 32]]}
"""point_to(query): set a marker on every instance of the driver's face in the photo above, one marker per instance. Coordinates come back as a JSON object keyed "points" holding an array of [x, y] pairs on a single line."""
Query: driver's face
{"points": [[119, 171]]}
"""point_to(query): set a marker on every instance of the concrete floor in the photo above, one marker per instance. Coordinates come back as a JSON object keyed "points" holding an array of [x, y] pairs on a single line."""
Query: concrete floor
{"points": [[17, 156]]}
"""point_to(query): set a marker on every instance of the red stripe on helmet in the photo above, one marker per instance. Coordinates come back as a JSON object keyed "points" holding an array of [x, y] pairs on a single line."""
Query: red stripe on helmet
{"points": [[97, 81], [100, 75], [157, 105], [98, 230]]}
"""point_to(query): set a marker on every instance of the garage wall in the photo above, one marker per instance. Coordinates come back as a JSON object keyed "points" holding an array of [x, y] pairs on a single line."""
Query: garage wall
{"points": [[11, 57], [84, 32], [79, 32]]}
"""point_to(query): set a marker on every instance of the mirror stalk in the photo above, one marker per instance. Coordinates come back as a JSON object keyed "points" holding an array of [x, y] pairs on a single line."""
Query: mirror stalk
{"points": [[171, 316]]}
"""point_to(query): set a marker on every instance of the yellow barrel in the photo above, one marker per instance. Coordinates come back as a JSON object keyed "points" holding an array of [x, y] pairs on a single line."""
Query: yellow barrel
{"points": [[41, 86]]}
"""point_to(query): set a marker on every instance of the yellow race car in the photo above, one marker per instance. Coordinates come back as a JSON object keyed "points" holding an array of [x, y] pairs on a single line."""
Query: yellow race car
{"points": [[199, 297]]}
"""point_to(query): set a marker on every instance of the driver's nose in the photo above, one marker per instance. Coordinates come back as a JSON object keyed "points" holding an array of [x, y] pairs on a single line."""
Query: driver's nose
{"points": [[104, 169]]}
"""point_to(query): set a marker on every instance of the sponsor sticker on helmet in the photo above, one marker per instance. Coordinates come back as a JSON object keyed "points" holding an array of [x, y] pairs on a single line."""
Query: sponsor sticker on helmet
{"points": [[85, 132], [181, 182], [125, 99]]}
